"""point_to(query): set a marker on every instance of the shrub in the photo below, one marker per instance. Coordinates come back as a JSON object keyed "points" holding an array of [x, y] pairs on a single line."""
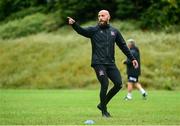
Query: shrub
{"points": [[25, 12], [28, 25]]}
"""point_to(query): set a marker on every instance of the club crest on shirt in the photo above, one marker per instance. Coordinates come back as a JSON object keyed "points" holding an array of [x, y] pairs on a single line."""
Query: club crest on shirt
{"points": [[112, 33], [101, 72]]}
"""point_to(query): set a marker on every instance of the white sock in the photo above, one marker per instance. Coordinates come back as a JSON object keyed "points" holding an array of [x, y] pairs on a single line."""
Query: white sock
{"points": [[142, 91]]}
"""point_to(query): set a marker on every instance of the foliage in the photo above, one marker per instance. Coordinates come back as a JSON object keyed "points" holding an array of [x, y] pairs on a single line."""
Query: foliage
{"points": [[22, 14], [8, 7], [28, 25], [161, 14], [62, 59], [131, 9], [83, 10], [151, 13]]}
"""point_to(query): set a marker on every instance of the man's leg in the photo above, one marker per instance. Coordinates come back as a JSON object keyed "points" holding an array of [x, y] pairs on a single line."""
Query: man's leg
{"points": [[130, 88], [103, 79], [139, 87], [115, 76]]}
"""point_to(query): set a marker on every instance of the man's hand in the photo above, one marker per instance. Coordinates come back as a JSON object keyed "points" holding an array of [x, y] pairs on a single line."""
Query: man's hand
{"points": [[70, 20], [135, 64]]}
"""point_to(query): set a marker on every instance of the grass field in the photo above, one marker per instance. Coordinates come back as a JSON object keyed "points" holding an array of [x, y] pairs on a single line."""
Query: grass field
{"points": [[45, 107]]}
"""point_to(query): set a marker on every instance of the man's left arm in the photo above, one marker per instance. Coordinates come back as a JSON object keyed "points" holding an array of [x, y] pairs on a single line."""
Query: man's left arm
{"points": [[122, 45]]}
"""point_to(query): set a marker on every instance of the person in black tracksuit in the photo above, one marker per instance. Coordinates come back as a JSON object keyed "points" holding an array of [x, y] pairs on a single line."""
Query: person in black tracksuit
{"points": [[132, 73], [103, 38]]}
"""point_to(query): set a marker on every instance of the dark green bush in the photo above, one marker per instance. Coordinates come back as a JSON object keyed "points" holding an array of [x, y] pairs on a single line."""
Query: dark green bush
{"points": [[84, 10], [151, 14], [161, 14], [7, 7], [28, 25], [25, 12]]}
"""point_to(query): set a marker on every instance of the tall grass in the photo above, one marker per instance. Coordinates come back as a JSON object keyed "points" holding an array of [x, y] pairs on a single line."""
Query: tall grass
{"points": [[62, 59]]}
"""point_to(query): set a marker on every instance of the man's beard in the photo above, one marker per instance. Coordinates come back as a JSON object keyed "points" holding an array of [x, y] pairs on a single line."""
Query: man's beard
{"points": [[103, 23]]}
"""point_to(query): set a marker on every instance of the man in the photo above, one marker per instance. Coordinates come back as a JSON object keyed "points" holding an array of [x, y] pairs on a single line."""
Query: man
{"points": [[103, 38], [132, 73]]}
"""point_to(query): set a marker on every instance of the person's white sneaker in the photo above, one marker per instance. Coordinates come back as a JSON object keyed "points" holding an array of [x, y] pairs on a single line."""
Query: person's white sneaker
{"points": [[128, 98]]}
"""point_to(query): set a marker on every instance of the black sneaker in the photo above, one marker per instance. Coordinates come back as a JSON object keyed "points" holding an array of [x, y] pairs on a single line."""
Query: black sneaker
{"points": [[144, 96], [105, 113]]}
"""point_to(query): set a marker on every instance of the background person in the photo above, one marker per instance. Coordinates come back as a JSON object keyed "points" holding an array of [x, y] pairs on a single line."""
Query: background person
{"points": [[133, 74]]}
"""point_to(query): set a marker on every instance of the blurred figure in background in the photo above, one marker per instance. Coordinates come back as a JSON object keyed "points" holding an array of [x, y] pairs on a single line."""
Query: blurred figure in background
{"points": [[133, 74]]}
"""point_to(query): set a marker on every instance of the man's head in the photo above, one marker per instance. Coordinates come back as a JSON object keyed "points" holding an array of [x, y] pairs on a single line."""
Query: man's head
{"points": [[103, 17], [131, 43]]}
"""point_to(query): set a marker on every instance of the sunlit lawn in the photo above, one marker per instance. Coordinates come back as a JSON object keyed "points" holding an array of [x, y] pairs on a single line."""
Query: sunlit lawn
{"points": [[76, 106]]}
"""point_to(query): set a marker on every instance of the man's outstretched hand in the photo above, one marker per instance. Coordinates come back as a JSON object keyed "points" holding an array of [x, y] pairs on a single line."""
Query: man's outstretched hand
{"points": [[135, 64], [70, 20]]}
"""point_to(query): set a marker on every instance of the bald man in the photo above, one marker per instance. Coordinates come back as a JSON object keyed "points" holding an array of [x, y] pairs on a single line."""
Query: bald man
{"points": [[103, 38]]}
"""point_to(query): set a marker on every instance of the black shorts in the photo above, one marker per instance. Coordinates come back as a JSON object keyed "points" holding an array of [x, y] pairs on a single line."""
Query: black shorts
{"points": [[132, 79], [108, 71]]}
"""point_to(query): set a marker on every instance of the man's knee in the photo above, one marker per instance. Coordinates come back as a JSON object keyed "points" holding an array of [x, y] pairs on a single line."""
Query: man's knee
{"points": [[103, 79], [119, 86], [104, 82]]}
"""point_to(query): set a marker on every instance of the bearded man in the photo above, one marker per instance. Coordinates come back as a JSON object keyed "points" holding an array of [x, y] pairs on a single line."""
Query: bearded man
{"points": [[103, 38]]}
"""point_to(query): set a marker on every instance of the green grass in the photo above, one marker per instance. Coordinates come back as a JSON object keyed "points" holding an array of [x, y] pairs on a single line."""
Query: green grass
{"points": [[45, 107]]}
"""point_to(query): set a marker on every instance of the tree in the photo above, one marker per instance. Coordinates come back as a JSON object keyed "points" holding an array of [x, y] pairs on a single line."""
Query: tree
{"points": [[161, 14]]}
